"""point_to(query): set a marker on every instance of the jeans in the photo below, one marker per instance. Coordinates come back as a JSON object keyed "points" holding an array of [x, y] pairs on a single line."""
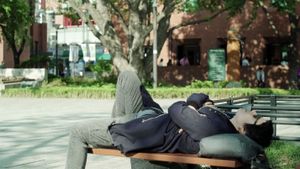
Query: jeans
{"points": [[94, 133]]}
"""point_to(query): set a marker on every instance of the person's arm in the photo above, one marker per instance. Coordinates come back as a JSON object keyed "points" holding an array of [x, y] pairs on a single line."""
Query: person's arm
{"points": [[187, 118]]}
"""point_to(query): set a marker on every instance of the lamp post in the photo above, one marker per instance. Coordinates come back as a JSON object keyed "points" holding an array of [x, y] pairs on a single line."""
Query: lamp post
{"points": [[56, 51], [57, 27], [154, 6]]}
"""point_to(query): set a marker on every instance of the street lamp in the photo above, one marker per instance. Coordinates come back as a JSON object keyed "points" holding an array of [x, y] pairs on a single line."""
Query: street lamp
{"points": [[56, 26], [154, 43], [56, 52]]}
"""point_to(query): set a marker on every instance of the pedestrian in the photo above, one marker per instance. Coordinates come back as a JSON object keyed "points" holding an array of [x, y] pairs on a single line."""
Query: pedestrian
{"points": [[245, 61], [260, 77], [138, 123]]}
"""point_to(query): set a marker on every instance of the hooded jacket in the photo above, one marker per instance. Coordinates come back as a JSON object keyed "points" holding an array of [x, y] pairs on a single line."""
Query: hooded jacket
{"points": [[178, 131]]}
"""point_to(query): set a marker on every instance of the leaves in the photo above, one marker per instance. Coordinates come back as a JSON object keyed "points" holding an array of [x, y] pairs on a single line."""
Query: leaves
{"points": [[16, 18]]}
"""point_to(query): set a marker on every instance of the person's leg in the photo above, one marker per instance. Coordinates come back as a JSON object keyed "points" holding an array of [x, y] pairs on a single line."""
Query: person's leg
{"points": [[88, 133], [128, 96]]}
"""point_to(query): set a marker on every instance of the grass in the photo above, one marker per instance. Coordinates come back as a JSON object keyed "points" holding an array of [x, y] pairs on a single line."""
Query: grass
{"points": [[107, 91], [284, 154]]}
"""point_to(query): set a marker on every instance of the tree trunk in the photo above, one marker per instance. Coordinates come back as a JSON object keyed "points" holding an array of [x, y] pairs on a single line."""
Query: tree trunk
{"points": [[16, 55]]}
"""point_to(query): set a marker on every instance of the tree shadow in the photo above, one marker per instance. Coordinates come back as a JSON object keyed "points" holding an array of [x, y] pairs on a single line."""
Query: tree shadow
{"points": [[37, 140], [208, 36]]}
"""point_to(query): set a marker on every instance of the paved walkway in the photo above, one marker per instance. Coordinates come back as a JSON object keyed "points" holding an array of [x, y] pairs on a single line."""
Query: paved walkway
{"points": [[34, 132]]}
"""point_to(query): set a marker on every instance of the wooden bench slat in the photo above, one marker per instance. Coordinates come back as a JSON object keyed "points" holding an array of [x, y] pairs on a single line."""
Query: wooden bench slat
{"points": [[170, 157]]}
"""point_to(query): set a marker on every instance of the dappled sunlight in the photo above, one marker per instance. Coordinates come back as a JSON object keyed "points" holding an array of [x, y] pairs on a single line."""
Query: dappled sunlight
{"points": [[255, 36], [180, 75], [275, 76], [34, 133]]}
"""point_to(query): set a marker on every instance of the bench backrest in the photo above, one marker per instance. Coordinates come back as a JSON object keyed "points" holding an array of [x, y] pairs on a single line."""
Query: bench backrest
{"points": [[283, 110]]}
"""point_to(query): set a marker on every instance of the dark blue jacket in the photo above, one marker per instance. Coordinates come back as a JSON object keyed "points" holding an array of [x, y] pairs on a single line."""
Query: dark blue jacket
{"points": [[178, 131]]}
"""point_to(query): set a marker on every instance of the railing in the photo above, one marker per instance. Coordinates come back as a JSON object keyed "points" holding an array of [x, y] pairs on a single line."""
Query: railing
{"points": [[283, 110]]}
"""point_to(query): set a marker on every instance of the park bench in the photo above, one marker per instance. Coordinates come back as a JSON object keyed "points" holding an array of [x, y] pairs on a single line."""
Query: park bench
{"points": [[170, 157], [283, 110]]}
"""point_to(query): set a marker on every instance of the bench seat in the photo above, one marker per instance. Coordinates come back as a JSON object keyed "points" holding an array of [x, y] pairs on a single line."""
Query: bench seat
{"points": [[170, 157]]}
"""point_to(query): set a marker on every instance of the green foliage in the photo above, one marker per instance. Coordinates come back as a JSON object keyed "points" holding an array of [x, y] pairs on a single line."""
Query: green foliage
{"points": [[285, 5], [202, 84], [233, 6], [68, 12], [83, 82], [219, 84], [283, 155], [60, 88], [37, 61], [54, 81], [62, 92], [191, 6], [15, 19], [104, 71]]}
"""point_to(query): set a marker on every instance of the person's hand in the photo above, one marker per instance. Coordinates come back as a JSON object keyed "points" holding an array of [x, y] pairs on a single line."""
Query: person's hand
{"points": [[198, 99]]}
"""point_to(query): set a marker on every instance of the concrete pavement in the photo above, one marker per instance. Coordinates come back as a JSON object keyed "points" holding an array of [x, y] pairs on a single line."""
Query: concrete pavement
{"points": [[34, 132]]}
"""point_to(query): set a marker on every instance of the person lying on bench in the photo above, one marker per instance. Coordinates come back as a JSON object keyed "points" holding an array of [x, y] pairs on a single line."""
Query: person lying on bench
{"points": [[139, 124]]}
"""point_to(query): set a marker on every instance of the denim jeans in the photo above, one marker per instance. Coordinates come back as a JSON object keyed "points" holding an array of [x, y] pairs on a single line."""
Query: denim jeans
{"points": [[94, 133]]}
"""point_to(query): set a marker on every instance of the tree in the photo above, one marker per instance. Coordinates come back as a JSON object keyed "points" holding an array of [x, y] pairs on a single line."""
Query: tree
{"points": [[130, 20], [124, 26], [15, 21]]}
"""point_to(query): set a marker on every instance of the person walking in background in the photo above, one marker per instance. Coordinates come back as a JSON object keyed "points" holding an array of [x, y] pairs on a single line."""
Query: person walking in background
{"points": [[260, 77], [245, 61]]}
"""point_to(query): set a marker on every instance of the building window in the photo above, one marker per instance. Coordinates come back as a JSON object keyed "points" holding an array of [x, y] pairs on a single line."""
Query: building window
{"points": [[276, 51], [222, 44], [189, 49]]}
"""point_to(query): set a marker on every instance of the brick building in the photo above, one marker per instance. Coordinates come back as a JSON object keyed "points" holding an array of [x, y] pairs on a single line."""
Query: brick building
{"points": [[264, 42]]}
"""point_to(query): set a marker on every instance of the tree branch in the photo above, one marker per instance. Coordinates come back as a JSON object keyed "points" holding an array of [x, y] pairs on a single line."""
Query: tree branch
{"points": [[118, 13], [196, 22], [169, 7]]}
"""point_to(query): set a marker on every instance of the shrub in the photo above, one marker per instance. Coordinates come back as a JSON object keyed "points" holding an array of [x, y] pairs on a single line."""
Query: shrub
{"points": [[54, 82], [36, 61], [104, 71], [218, 84], [81, 81], [202, 84]]}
